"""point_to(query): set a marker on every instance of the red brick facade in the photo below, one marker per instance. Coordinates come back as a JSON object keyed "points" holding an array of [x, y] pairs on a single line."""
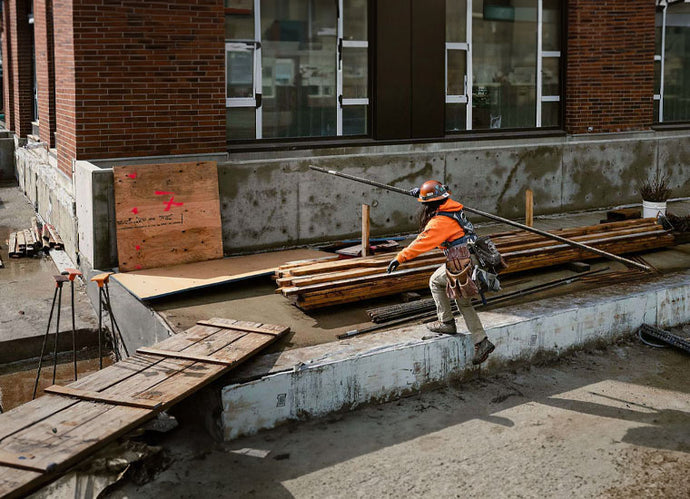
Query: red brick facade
{"points": [[20, 63], [45, 69], [65, 104], [149, 78], [610, 65], [8, 84], [136, 78]]}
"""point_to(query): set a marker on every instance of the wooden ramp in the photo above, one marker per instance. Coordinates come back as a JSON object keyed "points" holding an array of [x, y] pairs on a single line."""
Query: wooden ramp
{"points": [[42, 439]]}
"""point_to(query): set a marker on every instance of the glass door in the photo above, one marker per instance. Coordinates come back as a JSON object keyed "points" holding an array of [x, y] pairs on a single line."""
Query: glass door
{"points": [[458, 65], [352, 67], [243, 95]]}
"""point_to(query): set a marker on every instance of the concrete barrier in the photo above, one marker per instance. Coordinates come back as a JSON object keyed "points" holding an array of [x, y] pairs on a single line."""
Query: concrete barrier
{"points": [[315, 381]]}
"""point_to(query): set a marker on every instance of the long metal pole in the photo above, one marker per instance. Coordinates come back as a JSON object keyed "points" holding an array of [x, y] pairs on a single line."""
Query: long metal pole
{"points": [[605, 254]]}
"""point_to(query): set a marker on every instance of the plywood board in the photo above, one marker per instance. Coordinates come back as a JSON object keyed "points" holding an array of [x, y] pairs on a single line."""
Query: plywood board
{"points": [[166, 281], [167, 214]]}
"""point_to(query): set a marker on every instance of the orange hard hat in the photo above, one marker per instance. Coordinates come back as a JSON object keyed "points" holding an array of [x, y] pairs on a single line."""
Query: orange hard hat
{"points": [[432, 190]]}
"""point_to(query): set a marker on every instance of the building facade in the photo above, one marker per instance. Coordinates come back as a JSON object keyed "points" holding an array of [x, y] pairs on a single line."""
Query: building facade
{"points": [[577, 100]]}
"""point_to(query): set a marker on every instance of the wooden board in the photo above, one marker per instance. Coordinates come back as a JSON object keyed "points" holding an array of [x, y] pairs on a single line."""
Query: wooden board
{"points": [[156, 283], [42, 439], [167, 214]]}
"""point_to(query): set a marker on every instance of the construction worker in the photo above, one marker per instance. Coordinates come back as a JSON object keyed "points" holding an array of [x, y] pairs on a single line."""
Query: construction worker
{"points": [[442, 224]]}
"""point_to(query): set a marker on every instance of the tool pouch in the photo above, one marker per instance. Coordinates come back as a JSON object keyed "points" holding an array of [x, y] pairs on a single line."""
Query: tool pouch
{"points": [[488, 254], [459, 273]]}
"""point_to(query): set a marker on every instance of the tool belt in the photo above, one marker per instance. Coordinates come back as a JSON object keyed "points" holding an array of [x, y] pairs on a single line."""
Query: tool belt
{"points": [[459, 273]]}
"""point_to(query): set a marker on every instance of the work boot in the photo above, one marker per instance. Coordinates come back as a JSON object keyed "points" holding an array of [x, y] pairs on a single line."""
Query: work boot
{"points": [[442, 327], [482, 351]]}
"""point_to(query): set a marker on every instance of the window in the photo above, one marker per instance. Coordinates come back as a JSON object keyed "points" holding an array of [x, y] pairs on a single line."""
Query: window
{"points": [[672, 63], [510, 51], [296, 68]]}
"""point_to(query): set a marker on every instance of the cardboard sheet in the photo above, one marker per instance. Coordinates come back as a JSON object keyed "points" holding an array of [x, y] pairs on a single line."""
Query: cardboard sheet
{"points": [[166, 281]]}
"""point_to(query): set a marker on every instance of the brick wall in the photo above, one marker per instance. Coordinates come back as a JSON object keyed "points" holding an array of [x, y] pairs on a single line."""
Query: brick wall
{"points": [[45, 69], [150, 78], [20, 61], [65, 104], [7, 92], [610, 65]]}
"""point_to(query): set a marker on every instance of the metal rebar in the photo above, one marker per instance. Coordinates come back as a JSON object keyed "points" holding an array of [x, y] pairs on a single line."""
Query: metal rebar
{"points": [[45, 342], [74, 333], [100, 328], [57, 333], [113, 322]]}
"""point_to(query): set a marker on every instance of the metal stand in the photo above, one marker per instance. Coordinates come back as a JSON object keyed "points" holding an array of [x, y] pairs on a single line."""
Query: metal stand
{"points": [[71, 275], [104, 303], [59, 281]]}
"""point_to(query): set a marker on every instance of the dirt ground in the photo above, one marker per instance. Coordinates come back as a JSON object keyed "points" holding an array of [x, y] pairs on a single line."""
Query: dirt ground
{"points": [[598, 423]]}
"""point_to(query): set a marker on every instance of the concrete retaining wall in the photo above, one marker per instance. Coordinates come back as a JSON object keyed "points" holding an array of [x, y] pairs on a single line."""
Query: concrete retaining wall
{"points": [[318, 380]]}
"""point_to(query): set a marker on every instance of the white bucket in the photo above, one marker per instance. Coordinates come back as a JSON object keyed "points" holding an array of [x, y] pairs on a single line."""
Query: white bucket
{"points": [[652, 209]]}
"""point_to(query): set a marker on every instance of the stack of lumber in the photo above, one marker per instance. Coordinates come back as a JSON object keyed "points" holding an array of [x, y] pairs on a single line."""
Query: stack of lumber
{"points": [[311, 286], [28, 242]]}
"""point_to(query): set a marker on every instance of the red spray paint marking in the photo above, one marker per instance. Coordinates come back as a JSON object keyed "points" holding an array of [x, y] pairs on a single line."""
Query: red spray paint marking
{"points": [[170, 202], [132, 175], [135, 210], [138, 247], [138, 267]]}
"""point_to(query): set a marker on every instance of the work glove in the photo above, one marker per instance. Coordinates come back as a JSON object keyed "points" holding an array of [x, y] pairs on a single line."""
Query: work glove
{"points": [[414, 192], [392, 266]]}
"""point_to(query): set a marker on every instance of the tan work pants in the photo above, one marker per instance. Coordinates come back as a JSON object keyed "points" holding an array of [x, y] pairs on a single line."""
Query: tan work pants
{"points": [[437, 283]]}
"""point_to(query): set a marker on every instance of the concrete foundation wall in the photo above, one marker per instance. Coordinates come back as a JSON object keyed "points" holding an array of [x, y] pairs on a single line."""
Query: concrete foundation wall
{"points": [[272, 199], [290, 204], [317, 380]]}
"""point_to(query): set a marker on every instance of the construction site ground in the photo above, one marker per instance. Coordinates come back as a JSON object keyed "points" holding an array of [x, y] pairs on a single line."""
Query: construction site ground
{"points": [[608, 422]]}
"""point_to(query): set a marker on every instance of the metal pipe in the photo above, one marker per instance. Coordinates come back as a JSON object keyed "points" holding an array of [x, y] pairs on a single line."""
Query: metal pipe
{"points": [[599, 252]]}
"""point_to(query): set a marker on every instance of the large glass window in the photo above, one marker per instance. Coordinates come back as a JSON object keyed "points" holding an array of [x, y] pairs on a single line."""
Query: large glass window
{"points": [[296, 68], [672, 63], [510, 52]]}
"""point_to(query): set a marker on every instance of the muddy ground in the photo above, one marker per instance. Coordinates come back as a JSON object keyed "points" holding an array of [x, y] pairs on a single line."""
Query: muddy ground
{"points": [[598, 423]]}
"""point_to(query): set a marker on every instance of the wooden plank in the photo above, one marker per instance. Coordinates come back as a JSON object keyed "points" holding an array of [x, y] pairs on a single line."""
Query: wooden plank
{"points": [[12, 246], [183, 355], [167, 214], [156, 283], [228, 323], [14, 482], [21, 242], [365, 230], [67, 437], [529, 208], [22, 461], [98, 397], [31, 413], [55, 238]]}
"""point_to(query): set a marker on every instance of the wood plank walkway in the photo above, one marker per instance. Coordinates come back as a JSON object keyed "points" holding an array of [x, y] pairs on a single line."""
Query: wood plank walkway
{"points": [[42, 439]]}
